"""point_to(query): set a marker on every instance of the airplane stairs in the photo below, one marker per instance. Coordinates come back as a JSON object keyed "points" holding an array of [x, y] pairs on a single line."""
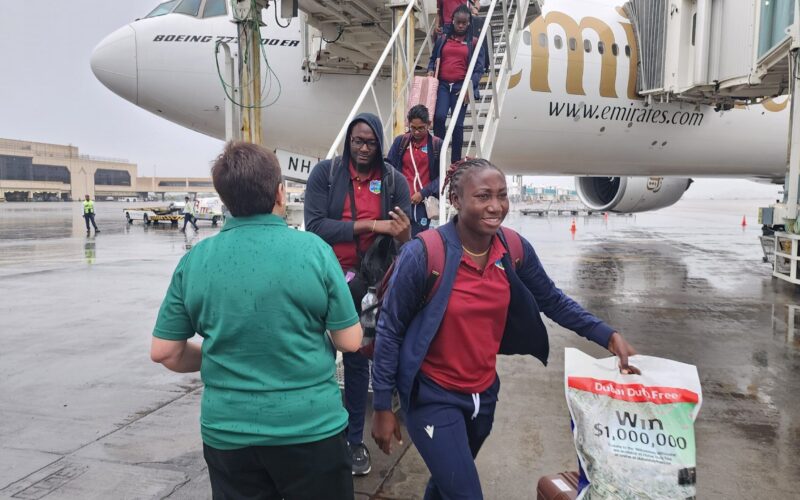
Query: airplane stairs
{"points": [[362, 42]]}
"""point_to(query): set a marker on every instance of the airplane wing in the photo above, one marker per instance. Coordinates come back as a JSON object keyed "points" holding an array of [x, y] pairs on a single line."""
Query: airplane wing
{"points": [[348, 36]]}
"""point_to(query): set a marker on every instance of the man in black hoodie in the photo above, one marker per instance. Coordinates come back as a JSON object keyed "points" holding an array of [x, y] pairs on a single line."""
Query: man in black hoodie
{"points": [[349, 201]]}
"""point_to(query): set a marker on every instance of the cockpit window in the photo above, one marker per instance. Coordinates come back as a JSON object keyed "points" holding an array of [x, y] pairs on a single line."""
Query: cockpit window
{"points": [[189, 7], [164, 8], [215, 8]]}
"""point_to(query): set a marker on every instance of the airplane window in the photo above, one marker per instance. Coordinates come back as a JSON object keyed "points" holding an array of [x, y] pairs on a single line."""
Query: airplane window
{"points": [[573, 44], [526, 37], [615, 49], [628, 50], [164, 8], [542, 39], [557, 42], [215, 8], [189, 7], [587, 46], [601, 47]]}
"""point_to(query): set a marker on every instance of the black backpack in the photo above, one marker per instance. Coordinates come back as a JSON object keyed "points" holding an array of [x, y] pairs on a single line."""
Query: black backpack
{"points": [[375, 262]]}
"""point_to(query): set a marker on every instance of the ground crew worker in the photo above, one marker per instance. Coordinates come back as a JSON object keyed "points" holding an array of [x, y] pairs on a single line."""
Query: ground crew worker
{"points": [[88, 214], [349, 201], [188, 214], [262, 295], [441, 357]]}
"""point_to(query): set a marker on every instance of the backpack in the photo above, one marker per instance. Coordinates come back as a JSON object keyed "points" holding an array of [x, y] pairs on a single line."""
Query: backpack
{"points": [[433, 246], [373, 264]]}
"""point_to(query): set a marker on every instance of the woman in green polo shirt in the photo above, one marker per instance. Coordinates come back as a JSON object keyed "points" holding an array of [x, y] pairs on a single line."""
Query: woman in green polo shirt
{"points": [[262, 295]]}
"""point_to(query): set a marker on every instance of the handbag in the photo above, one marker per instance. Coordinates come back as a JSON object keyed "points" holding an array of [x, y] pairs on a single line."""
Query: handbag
{"points": [[432, 207]]}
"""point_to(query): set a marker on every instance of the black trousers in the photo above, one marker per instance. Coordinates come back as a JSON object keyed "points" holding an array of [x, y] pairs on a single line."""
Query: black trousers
{"points": [[187, 218], [315, 471], [89, 217]]}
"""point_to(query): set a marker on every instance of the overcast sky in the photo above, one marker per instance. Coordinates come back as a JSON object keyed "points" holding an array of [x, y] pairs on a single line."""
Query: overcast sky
{"points": [[49, 94]]}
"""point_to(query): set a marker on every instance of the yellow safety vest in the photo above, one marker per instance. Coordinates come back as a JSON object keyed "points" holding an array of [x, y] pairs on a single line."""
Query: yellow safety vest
{"points": [[88, 207]]}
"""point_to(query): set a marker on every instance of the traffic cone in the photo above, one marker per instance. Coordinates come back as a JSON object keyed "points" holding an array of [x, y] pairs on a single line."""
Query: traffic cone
{"points": [[573, 228], [744, 221]]}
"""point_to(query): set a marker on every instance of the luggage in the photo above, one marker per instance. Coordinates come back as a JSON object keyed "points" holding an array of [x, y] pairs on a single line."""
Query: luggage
{"points": [[423, 91], [562, 486]]}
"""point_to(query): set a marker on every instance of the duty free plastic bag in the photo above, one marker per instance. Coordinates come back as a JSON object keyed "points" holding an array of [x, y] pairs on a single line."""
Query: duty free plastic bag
{"points": [[634, 434]]}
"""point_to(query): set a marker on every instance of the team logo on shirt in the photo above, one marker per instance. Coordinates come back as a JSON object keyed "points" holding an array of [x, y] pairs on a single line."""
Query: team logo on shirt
{"points": [[499, 264], [375, 187], [424, 149]]}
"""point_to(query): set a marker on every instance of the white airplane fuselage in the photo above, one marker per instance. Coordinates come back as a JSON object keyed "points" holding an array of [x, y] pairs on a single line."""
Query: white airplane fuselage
{"points": [[567, 112]]}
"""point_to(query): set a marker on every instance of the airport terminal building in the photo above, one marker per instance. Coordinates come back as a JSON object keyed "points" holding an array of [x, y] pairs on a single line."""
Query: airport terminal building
{"points": [[38, 171], [35, 171]]}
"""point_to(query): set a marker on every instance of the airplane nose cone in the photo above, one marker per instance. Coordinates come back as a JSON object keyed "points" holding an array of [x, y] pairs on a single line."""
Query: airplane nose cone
{"points": [[114, 63]]}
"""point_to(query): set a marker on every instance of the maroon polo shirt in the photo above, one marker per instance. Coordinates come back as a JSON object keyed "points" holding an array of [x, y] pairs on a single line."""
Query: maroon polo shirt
{"points": [[367, 193], [455, 60], [463, 354], [420, 152]]}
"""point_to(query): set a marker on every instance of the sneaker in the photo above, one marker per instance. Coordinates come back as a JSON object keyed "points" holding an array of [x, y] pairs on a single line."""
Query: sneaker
{"points": [[96, 231], [360, 455]]}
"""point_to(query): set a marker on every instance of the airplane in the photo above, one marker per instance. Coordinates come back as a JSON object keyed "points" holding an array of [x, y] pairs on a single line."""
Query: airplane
{"points": [[571, 107]]}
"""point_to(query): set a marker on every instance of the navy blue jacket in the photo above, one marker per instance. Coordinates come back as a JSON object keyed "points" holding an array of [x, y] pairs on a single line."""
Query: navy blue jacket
{"points": [[405, 332], [480, 64], [396, 159], [325, 194]]}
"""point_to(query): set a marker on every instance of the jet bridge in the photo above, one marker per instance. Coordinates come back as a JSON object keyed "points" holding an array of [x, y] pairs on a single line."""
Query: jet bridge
{"points": [[713, 52], [724, 53], [393, 40]]}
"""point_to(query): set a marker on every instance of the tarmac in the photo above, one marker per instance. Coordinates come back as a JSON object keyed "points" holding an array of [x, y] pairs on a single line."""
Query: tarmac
{"points": [[85, 414]]}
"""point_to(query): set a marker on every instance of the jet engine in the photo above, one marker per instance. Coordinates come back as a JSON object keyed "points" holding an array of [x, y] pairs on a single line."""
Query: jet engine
{"points": [[630, 194]]}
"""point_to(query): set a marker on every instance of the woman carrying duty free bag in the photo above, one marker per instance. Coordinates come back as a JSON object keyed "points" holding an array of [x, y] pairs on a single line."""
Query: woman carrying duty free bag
{"points": [[440, 354]]}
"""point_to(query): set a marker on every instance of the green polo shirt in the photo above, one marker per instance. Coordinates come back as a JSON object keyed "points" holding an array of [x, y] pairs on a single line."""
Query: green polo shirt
{"points": [[262, 295]]}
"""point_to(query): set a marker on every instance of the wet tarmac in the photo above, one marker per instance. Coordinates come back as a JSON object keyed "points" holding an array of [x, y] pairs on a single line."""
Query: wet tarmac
{"points": [[85, 414]]}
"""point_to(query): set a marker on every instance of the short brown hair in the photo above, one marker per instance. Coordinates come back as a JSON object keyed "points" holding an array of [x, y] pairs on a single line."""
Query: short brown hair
{"points": [[246, 177]]}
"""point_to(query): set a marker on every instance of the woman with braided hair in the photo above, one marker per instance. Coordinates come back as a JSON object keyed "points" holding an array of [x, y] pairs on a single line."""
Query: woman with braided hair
{"points": [[440, 354], [452, 53]]}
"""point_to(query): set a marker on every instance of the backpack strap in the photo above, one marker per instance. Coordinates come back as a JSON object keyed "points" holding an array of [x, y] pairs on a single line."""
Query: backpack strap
{"points": [[332, 172], [390, 185], [433, 245], [513, 243], [404, 143], [437, 150]]}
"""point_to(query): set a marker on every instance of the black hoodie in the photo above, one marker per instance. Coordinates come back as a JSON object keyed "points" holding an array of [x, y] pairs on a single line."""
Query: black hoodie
{"points": [[326, 190]]}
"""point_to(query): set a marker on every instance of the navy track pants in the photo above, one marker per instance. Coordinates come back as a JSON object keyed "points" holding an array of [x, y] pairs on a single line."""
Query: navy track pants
{"points": [[448, 428]]}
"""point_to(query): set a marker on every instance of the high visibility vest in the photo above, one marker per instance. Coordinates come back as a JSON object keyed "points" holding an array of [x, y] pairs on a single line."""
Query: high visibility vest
{"points": [[88, 207]]}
